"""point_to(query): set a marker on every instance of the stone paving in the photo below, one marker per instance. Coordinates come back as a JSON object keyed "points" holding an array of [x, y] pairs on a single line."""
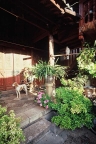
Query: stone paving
{"points": [[25, 107], [10, 101], [38, 130]]}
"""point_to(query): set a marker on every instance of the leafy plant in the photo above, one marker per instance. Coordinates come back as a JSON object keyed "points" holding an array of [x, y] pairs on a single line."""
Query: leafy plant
{"points": [[44, 69], [86, 60], [73, 109], [43, 99], [76, 83], [10, 132]]}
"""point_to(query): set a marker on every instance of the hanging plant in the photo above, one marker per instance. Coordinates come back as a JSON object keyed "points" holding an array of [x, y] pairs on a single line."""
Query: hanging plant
{"points": [[43, 69], [86, 61]]}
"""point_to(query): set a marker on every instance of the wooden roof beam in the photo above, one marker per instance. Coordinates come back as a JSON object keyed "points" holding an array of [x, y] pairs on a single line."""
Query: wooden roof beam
{"points": [[69, 38], [31, 10], [70, 11], [73, 41], [32, 22], [67, 34], [65, 10], [39, 36], [58, 6]]}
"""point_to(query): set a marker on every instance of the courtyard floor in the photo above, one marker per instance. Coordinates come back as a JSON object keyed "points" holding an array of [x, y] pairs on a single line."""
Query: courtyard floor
{"points": [[29, 111]]}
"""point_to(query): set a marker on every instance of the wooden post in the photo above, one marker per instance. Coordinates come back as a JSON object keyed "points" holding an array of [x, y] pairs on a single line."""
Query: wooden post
{"points": [[51, 50], [50, 87]]}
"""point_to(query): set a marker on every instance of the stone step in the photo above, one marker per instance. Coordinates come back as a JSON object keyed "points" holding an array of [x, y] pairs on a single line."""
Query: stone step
{"points": [[31, 115], [35, 131], [50, 138]]}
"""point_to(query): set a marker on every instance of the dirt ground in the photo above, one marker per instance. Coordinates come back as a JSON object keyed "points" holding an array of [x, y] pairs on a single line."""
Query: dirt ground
{"points": [[81, 136]]}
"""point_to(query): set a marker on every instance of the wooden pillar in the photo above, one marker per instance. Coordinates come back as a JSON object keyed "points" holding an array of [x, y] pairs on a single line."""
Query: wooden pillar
{"points": [[50, 87], [51, 50]]}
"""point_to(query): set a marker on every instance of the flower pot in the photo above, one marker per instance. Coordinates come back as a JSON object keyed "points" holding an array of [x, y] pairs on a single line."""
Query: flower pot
{"points": [[49, 79]]}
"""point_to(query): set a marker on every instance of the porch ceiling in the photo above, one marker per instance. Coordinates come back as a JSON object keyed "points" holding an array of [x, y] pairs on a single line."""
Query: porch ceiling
{"points": [[30, 22]]}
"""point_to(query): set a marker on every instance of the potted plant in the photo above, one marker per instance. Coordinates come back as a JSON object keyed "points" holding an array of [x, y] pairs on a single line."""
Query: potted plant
{"points": [[43, 70]]}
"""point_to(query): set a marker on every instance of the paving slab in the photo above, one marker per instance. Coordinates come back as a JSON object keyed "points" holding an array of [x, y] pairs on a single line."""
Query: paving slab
{"points": [[51, 138], [30, 116], [35, 131], [25, 107]]}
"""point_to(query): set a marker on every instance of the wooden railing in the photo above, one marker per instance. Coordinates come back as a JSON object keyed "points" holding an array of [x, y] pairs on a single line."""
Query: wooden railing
{"points": [[71, 62]]}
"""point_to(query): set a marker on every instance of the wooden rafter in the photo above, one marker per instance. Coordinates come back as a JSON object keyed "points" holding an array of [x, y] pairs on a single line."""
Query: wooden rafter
{"points": [[40, 36], [58, 6], [65, 10], [70, 12], [69, 38]]}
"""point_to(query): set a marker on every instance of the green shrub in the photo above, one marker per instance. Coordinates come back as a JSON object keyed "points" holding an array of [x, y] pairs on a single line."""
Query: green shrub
{"points": [[86, 60], [10, 131], [73, 109], [76, 83]]}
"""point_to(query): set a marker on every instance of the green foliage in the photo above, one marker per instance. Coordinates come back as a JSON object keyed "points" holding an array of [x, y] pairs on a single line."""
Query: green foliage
{"points": [[44, 69], [10, 131], [73, 109], [86, 60], [76, 83]]}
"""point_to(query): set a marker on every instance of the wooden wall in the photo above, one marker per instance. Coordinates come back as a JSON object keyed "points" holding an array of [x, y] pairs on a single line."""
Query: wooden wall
{"points": [[12, 62]]}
